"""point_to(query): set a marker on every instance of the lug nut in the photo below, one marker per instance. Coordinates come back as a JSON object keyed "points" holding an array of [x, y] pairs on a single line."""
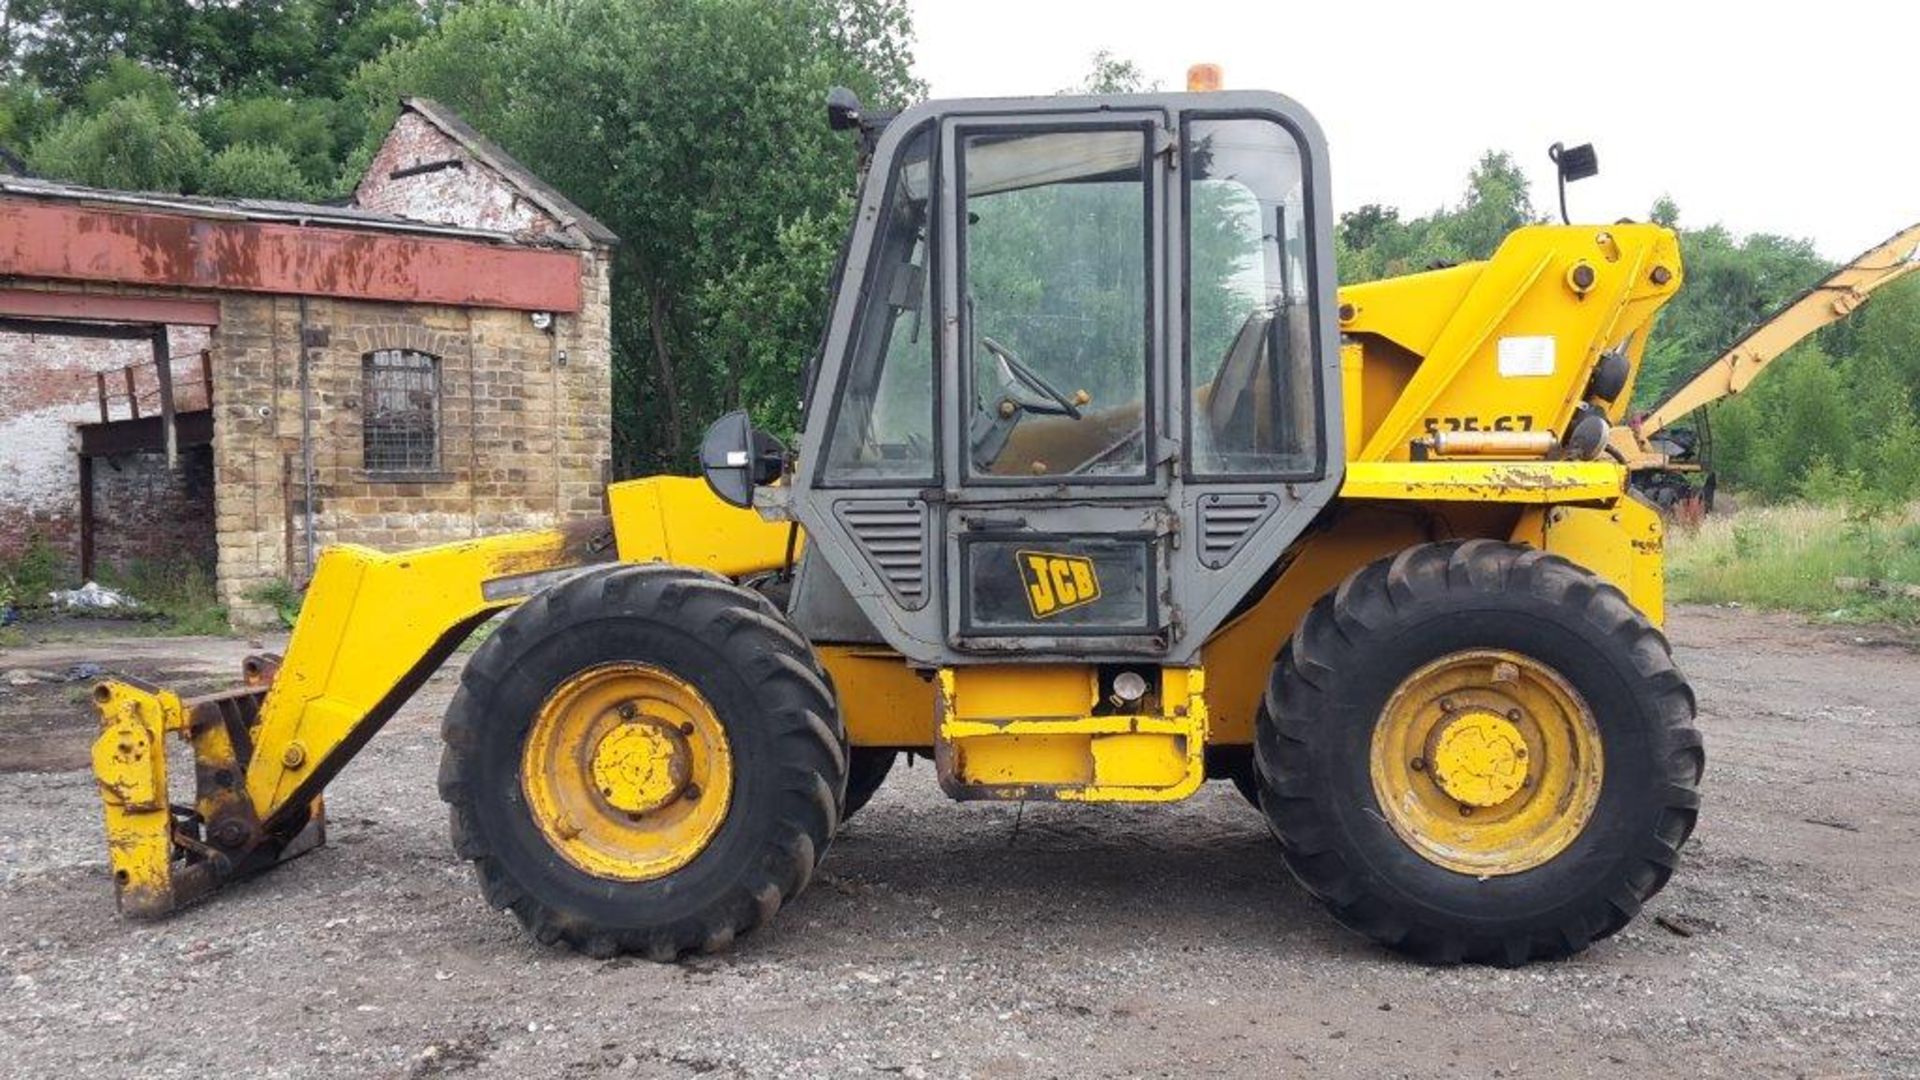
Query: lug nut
{"points": [[692, 794], [1465, 810], [686, 727], [627, 710], [1418, 764], [1446, 704]]}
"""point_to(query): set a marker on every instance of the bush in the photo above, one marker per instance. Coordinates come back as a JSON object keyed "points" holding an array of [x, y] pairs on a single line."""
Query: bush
{"points": [[27, 578], [130, 144], [253, 171]]}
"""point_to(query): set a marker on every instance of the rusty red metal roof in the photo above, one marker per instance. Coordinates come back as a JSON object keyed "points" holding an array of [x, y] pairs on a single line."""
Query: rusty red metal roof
{"points": [[72, 233]]}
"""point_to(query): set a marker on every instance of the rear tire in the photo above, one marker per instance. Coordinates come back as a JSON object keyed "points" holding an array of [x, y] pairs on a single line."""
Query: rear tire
{"points": [[867, 769], [1338, 680], [759, 682]]}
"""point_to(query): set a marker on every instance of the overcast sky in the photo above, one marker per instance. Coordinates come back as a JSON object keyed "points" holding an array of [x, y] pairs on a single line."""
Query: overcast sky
{"points": [[1788, 118]]}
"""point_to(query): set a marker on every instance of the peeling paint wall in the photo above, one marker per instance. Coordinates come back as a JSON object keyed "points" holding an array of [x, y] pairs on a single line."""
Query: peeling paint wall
{"points": [[46, 387], [469, 194]]}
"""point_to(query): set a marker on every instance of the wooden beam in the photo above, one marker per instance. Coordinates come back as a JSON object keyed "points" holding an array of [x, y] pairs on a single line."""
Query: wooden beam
{"points": [[86, 517], [145, 436], [163, 367], [133, 396], [72, 328]]}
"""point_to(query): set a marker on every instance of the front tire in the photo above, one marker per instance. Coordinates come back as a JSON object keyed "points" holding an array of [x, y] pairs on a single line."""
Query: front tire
{"points": [[643, 759], [1478, 751]]}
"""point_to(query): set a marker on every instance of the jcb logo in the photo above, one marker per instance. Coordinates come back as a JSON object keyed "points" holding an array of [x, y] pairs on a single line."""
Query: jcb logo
{"points": [[1057, 582]]}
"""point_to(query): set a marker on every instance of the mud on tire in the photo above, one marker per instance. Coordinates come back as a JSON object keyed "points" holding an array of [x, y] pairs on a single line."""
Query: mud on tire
{"points": [[758, 675], [1333, 679]]}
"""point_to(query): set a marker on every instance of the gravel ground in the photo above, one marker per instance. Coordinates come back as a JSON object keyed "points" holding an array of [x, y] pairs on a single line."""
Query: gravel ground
{"points": [[989, 941]]}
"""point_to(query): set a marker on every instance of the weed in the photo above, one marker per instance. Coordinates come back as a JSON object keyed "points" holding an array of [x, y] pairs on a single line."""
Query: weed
{"points": [[1790, 557], [280, 595]]}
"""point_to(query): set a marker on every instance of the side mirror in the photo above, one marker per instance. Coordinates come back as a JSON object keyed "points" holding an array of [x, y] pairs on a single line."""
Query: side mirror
{"points": [[1572, 163], [843, 109], [735, 458]]}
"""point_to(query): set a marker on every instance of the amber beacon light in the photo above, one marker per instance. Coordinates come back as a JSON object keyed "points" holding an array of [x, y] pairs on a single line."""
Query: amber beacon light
{"points": [[1202, 78]]}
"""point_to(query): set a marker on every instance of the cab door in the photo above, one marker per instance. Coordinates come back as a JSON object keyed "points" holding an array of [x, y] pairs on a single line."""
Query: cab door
{"points": [[1058, 525], [1079, 390]]}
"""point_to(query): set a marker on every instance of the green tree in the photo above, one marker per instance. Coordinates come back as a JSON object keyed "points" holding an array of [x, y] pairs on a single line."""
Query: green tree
{"points": [[304, 130], [249, 169], [695, 130], [1496, 202], [1110, 74], [130, 143], [1732, 285], [204, 49], [1375, 241]]}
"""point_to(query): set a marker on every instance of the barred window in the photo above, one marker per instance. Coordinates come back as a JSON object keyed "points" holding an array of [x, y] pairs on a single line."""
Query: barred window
{"points": [[402, 411]]}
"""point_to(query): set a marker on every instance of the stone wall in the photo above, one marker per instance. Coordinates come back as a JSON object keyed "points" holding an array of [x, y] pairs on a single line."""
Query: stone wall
{"points": [[525, 428]]}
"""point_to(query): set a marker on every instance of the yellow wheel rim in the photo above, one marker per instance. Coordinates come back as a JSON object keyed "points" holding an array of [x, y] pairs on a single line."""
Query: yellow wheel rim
{"points": [[1487, 762], [627, 771]]}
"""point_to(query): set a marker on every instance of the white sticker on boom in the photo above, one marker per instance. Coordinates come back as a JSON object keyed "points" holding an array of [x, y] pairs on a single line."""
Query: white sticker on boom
{"points": [[1526, 356]]}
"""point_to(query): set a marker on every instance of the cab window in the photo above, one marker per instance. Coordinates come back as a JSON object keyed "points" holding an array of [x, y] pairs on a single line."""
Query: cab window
{"points": [[884, 430], [1054, 282], [1254, 405]]}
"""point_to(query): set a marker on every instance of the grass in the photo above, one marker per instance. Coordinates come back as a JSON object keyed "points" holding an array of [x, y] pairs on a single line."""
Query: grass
{"points": [[176, 597], [1789, 557]]}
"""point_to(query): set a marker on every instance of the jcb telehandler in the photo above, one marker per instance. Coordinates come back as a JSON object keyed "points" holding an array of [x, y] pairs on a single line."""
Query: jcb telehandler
{"points": [[1103, 489]]}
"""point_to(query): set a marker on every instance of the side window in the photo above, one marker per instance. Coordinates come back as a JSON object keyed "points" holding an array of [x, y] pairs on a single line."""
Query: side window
{"points": [[401, 411], [885, 425], [1254, 410], [1055, 284]]}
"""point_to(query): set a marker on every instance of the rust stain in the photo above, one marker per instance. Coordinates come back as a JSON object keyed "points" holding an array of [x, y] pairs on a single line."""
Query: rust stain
{"points": [[55, 240]]}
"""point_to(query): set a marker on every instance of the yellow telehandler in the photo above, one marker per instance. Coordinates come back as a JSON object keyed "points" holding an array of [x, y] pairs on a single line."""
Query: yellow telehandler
{"points": [[1102, 490]]}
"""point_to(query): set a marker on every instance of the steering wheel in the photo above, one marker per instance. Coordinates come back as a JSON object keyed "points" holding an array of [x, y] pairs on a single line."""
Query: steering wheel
{"points": [[1012, 370]]}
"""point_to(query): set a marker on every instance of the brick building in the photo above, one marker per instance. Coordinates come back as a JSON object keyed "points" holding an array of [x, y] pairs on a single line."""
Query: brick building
{"points": [[247, 381]]}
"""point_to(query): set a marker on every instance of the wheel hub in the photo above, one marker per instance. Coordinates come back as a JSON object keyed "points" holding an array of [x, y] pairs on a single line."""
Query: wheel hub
{"points": [[641, 765], [627, 771], [1486, 761], [1479, 758]]}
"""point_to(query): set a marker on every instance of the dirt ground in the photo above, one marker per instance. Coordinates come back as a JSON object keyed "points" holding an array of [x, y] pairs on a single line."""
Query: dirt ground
{"points": [[992, 941]]}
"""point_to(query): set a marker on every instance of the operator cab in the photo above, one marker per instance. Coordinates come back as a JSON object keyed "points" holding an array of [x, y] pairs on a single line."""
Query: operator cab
{"points": [[1079, 369]]}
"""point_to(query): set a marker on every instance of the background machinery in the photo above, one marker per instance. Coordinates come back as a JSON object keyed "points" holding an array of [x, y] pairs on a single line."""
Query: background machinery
{"points": [[1666, 459], [1102, 490]]}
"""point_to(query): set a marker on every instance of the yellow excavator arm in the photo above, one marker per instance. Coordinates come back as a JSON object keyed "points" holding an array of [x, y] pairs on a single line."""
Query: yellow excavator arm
{"points": [[1837, 296]]}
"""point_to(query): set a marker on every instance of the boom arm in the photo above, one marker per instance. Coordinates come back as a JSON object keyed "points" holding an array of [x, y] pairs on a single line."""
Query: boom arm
{"points": [[1833, 299], [373, 627]]}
